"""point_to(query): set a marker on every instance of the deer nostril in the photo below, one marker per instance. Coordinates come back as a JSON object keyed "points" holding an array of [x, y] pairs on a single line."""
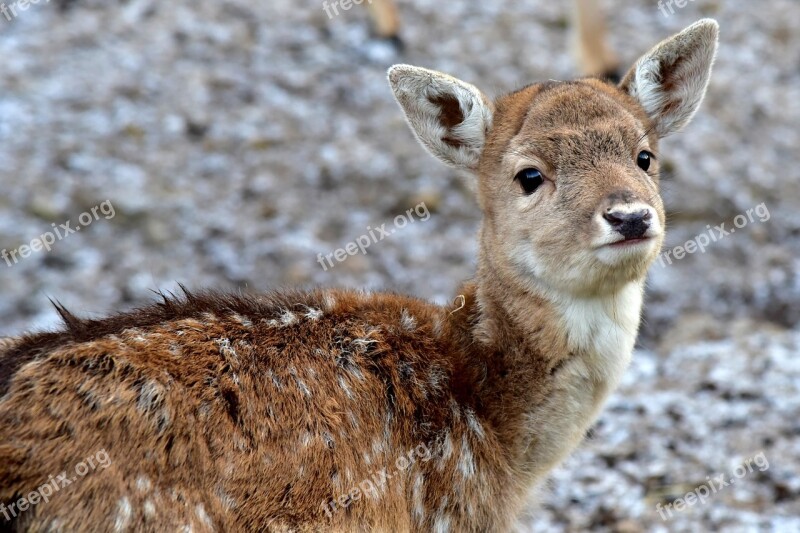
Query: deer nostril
{"points": [[614, 218], [630, 225]]}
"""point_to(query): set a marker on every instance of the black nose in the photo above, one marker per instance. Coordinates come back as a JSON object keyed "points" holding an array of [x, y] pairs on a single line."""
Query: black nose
{"points": [[630, 225]]}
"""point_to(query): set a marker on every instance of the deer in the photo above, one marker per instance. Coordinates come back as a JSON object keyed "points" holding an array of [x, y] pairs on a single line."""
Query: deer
{"points": [[339, 410], [590, 43]]}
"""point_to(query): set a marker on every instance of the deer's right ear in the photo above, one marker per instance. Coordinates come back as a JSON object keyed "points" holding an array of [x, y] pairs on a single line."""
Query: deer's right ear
{"points": [[449, 117], [670, 81]]}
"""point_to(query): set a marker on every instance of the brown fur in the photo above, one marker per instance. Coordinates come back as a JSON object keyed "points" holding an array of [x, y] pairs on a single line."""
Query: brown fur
{"points": [[211, 403]]}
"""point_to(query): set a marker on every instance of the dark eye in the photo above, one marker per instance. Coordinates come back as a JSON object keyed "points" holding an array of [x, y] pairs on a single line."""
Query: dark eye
{"points": [[530, 179], [644, 160]]}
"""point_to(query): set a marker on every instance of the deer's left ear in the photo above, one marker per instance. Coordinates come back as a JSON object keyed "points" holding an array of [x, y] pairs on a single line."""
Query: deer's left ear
{"points": [[449, 117], [670, 80]]}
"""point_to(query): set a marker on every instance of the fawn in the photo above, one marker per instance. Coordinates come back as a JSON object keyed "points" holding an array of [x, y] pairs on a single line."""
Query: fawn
{"points": [[335, 410]]}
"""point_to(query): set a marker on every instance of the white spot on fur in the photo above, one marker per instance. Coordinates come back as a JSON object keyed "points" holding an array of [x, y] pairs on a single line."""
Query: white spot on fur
{"points": [[150, 395], [228, 503], [313, 314], [356, 371], [149, 509], [123, 514], [362, 345], [455, 410], [418, 498], [244, 321], [378, 447], [275, 381], [226, 349], [345, 387], [447, 451], [473, 423], [442, 522], [143, 483], [305, 438], [300, 383], [353, 419], [407, 322], [288, 318], [200, 511], [436, 378], [329, 302], [466, 463], [387, 433]]}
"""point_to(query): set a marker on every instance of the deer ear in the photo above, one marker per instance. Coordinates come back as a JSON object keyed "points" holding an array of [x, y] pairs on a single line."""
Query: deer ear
{"points": [[670, 80], [450, 118]]}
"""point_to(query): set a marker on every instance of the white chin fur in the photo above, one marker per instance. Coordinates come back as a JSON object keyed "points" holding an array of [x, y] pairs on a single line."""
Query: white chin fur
{"points": [[614, 255]]}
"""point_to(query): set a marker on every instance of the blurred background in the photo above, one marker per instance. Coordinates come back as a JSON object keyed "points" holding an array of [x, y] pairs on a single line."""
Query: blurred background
{"points": [[236, 141]]}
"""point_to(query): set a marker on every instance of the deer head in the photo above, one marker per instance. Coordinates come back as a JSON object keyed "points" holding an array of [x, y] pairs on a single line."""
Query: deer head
{"points": [[567, 172]]}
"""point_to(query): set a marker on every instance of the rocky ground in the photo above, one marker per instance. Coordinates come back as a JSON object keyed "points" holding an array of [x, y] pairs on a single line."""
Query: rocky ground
{"points": [[235, 141]]}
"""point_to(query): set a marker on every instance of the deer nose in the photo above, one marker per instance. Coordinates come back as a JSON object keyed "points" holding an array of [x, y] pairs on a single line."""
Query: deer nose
{"points": [[631, 225]]}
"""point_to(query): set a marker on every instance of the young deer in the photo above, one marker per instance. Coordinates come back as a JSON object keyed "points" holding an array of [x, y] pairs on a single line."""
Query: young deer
{"points": [[334, 410]]}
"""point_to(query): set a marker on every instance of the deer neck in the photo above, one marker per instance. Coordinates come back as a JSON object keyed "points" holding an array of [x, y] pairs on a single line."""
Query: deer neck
{"points": [[552, 359]]}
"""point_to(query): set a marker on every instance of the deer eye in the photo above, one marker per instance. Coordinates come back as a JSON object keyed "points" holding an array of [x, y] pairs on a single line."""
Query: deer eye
{"points": [[644, 160], [530, 179]]}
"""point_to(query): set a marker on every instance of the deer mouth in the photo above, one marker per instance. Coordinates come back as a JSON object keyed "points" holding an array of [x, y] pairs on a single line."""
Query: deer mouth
{"points": [[629, 242]]}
